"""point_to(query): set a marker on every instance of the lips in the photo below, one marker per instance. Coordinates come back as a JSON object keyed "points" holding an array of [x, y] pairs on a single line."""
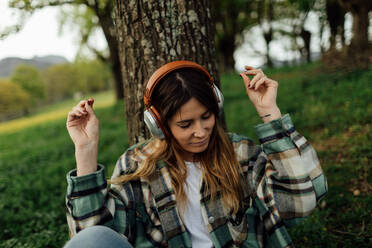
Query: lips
{"points": [[201, 143]]}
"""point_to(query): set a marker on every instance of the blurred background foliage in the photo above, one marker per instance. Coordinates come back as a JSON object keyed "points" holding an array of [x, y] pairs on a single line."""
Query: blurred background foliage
{"points": [[29, 88]]}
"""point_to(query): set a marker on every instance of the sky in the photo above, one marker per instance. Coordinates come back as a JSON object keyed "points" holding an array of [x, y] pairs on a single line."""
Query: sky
{"points": [[40, 36]]}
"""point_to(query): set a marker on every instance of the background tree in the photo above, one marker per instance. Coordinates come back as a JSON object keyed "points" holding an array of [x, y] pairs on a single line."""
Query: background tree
{"points": [[336, 20], [265, 18], [152, 33], [301, 9], [61, 82], [93, 76], [359, 10], [92, 14], [13, 100], [30, 80], [358, 53], [231, 19]]}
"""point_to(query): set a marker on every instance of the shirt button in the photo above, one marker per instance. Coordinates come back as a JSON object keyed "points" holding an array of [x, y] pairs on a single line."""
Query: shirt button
{"points": [[211, 219]]}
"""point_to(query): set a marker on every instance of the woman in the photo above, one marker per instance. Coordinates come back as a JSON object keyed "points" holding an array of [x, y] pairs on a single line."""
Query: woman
{"points": [[192, 184]]}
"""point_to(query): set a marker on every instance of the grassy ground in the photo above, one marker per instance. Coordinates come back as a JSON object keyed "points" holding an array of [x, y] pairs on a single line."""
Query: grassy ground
{"points": [[332, 110], [54, 112]]}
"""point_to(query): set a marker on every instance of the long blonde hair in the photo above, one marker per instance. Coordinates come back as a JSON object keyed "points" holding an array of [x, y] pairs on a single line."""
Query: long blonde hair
{"points": [[221, 172]]}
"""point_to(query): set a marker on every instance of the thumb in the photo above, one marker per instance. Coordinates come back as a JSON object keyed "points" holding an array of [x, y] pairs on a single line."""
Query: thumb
{"points": [[89, 106]]}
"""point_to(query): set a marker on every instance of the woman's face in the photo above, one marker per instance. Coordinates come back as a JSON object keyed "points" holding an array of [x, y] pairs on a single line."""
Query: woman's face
{"points": [[192, 127]]}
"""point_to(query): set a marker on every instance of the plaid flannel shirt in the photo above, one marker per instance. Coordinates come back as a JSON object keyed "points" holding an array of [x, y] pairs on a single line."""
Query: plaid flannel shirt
{"points": [[282, 178]]}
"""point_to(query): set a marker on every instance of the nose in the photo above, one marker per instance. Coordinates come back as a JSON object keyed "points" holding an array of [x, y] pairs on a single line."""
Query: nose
{"points": [[200, 131]]}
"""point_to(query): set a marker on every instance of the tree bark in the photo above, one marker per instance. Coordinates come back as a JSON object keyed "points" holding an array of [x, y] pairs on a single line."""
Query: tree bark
{"points": [[152, 33]]}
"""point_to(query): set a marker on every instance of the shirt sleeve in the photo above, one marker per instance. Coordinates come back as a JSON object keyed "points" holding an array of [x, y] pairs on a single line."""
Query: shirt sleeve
{"points": [[90, 202], [287, 176]]}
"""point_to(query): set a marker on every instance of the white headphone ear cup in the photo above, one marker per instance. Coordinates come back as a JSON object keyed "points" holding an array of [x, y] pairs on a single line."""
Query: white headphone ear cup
{"points": [[152, 125], [219, 97]]}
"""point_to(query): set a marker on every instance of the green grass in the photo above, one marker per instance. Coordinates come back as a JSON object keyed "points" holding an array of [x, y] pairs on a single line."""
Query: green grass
{"points": [[332, 110]]}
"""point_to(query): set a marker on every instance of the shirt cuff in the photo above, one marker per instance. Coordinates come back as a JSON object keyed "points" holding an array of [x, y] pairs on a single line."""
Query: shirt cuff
{"points": [[87, 184], [276, 135]]}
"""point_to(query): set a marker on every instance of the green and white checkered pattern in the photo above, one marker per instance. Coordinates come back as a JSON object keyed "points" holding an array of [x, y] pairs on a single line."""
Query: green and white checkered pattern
{"points": [[282, 180]]}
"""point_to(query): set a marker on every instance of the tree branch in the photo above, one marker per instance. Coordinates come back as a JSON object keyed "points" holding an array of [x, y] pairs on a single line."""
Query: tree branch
{"points": [[32, 8], [99, 54]]}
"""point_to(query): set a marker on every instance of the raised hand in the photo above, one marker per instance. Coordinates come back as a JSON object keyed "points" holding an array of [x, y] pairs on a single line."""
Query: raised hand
{"points": [[262, 92], [83, 127]]}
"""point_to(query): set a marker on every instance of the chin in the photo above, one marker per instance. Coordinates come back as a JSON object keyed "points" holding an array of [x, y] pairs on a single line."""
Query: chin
{"points": [[198, 149]]}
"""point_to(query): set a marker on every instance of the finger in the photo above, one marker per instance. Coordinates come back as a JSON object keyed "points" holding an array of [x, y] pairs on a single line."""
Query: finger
{"points": [[86, 102], [89, 106], [254, 72], [271, 83], [259, 83], [255, 79], [247, 67], [90, 101], [82, 103], [73, 115], [79, 110], [70, 117], [73, 123], [246, 79]]}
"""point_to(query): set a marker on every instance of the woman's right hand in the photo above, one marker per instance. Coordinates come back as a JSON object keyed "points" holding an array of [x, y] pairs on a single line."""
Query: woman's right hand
{"points": [[83, 127]]}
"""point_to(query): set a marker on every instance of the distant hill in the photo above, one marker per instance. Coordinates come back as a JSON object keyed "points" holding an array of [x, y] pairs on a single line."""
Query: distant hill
{"points": [[7, 65]]}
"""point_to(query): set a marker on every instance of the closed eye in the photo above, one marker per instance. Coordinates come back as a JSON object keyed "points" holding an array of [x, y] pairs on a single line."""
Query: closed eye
{"points": [[206, 115], [185, 124]]}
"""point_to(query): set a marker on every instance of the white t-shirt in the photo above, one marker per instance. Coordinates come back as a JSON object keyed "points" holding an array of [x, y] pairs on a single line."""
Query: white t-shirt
{"points": [[192, 216]]}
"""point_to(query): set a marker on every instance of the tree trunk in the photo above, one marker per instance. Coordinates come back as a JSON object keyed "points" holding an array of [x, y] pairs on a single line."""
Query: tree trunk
{"points": [[152, 33], [106, 22], [360, 28], [359, 9], [265, 17], [227, 48], [336, 19], [268, 36], [306, 37]]}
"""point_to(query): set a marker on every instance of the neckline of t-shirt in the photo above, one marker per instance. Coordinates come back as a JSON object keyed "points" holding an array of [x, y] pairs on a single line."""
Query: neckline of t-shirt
{"points": [[189, 163]]}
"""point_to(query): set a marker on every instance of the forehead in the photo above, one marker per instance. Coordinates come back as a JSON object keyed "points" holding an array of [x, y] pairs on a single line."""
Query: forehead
{"points": [[190, 110]]}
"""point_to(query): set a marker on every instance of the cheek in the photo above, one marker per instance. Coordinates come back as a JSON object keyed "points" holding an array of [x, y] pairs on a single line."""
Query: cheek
{"points": [[211, 122], [181, 135]]}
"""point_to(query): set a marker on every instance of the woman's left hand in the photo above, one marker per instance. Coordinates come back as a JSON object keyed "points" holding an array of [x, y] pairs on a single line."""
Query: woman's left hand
{"points": [[262, 92]]}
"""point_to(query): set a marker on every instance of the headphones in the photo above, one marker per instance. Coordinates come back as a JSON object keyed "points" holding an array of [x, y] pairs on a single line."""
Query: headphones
{"points": [[152, 117]]}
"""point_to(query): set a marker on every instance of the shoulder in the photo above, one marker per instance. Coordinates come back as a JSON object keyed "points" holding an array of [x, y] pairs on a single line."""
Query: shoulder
{"points": [[129, 161], [244, 147]]}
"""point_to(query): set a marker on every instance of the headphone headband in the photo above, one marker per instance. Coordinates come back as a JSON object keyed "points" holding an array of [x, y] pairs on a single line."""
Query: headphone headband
{"points": [[167, 68]]}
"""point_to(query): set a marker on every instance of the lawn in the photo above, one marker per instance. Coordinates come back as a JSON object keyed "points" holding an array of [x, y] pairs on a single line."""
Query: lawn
{"points": [[333, 110]]}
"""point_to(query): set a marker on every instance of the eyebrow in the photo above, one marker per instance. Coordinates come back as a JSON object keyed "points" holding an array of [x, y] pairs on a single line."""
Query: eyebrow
{"points": [[184, 121]]}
